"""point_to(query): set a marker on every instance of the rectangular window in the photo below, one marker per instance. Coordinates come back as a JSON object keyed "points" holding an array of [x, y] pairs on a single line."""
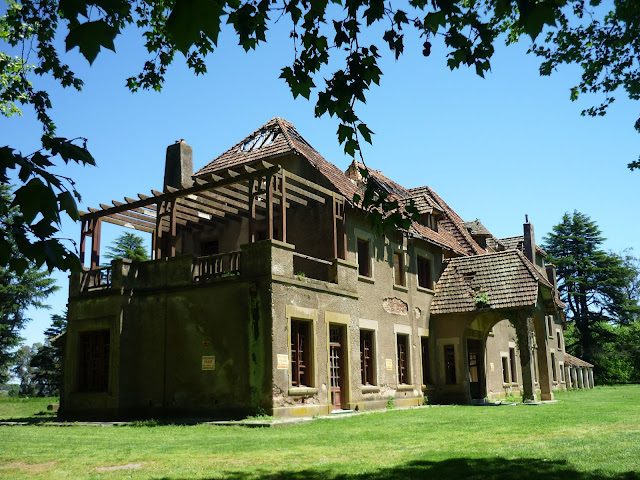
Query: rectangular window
{"points": [[93, 369], [300, 354], [559, 340], [426, 366], [512, 364], [424, 273], [367, 357], [429, 220], [505, 370], [553, 367], [403, 358], [364, 263], [449, 364], [398, 268], [561, 372], [535, 365], [550, 325]]}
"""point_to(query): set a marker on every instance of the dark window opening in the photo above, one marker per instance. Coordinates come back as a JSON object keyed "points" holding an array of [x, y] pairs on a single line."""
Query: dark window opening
{"points": [[364, 264], [449, 364], [398, 263], [366, 357], [426, 366], [429, 220], [209, 248], [424, 273], [505, 370], [300, 354], [550, 325], [559, 341], [403, 358], [553, 367], [94, 361], [512, 364]]}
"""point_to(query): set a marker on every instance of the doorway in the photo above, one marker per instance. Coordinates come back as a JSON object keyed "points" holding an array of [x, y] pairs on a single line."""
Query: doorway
{"points": [[336, 365], [476, 370]]}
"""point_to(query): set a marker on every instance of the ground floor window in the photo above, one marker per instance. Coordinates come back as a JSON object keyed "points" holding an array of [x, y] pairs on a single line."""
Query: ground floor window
{"points": [[93, 371], [505, 370], [553, 367], [426, 366], [512, 364], [449, 364], [366, 357], [403, 358], [300, 353]]}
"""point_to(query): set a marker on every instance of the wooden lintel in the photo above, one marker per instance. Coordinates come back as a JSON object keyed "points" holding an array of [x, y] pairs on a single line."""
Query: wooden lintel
{"points": [[137, 216], [304, 193], [127, 224]]}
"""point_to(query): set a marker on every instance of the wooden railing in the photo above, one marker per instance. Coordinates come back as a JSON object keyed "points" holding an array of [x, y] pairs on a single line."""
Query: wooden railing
{"points": [[96, 279], [311, 267], [215, 266]]}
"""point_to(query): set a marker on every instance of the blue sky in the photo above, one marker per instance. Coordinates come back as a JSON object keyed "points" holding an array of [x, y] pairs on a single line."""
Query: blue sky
{"points": [[495, 148]]}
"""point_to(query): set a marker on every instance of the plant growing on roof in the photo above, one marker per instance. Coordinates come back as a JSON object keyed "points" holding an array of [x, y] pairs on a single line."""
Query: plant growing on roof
{"points": [[481, 298]]}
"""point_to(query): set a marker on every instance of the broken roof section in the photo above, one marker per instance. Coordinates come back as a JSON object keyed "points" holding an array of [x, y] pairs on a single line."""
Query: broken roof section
{"points": [[277, 138], [570, 360], [507, 278]]}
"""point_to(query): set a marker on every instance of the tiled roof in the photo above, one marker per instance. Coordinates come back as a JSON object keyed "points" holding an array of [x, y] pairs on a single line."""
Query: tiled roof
{"points": [[275, 138], [517, 242], [575, 361], [475, 227], [507, 278]]}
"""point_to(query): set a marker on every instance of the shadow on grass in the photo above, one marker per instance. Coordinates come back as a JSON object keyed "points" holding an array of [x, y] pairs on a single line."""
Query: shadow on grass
{"points": [[457, 468]]}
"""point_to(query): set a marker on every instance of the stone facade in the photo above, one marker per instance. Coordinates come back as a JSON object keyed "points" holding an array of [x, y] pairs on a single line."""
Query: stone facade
{"points": [[301, 308]]}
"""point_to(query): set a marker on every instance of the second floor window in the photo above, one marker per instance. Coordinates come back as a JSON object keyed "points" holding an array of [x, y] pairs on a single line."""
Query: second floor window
{"points": [[424, 273], [364, 263], [398, 268]]}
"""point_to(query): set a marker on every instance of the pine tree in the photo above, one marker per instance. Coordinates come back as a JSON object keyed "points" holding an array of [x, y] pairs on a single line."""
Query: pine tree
{"points": [[128, 245], [18, 291], [47, 361], [592, 282]]}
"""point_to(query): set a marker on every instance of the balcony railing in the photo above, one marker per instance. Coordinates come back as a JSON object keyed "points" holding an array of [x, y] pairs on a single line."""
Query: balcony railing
{"points": [[310, 267], [216, 266], [97, 279]]}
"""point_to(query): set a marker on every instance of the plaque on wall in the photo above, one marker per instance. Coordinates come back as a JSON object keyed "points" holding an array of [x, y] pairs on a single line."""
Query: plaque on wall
{"points": [[283, 362], [208, 362]]}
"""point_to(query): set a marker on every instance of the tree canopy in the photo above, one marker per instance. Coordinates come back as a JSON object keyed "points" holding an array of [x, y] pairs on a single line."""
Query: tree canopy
{"points": [[46, 361], [593, 283], [128, 245], [347, 37]]}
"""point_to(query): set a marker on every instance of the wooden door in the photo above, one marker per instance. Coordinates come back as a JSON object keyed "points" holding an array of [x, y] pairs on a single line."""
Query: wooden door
{"points": [[336, 366]]}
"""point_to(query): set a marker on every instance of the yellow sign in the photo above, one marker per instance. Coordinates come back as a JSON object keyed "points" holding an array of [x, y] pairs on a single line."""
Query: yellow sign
{"points": [[389, 364], [209, 363], [283, 362]]}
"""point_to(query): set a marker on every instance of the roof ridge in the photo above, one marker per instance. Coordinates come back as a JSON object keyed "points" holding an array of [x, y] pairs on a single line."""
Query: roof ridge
{"points": [[286, 133]]}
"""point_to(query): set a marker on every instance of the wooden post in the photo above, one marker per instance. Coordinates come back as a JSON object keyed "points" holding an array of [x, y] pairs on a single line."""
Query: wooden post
{"points": [[335, 228], [252, 211], [283, 207], [270, 181], [173, 205], [344, 231], [83, 238], [158, 235], [95, 243]]}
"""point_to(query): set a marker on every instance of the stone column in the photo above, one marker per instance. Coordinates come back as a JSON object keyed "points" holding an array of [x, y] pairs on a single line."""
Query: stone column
{"points": [[574, 377], [544, 364], [591, 377], [523, 323], [580, 378], [567, 378], [585, 372]]}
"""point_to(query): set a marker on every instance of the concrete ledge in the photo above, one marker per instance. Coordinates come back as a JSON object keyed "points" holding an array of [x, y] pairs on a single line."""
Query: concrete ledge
{"points": [[320, 286], [302, 391]]}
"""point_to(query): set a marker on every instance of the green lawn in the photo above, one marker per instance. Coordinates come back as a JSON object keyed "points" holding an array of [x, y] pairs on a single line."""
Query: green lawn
{"points": [[587, 435]]}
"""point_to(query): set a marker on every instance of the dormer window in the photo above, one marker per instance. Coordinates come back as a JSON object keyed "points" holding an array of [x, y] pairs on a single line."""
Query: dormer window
{"points": [[429, 220]]}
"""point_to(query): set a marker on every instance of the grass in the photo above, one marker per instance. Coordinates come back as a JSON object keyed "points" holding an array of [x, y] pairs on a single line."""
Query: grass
{"points": [[587, 435]]}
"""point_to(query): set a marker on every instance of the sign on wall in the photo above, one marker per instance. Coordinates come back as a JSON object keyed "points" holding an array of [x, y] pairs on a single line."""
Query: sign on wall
{"points": [[283, 362], [389, 364], [208, 362]]}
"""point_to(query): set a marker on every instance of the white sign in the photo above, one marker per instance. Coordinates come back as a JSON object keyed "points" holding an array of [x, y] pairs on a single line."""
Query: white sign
{"points": [[283, 362], [208, 362]]}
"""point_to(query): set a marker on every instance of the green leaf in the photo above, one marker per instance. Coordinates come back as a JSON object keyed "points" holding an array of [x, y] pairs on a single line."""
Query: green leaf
{"points": [[68, 204], [537, 17], [365, 132], [89, 37], [190, 18]]}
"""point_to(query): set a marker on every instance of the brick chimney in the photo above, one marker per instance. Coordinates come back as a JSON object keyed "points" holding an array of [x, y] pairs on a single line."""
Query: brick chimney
{"points": [[179, 165], [529, 241]]}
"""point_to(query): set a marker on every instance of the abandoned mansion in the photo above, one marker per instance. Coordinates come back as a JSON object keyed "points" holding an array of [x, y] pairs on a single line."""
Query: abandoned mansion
{"points": [[269, 290]]}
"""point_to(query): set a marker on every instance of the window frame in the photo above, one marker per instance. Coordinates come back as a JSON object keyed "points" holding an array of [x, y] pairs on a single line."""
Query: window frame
{"points": [[448, 369], [87, 347], [399, 270], [372, 371], [513, 365], [369, 269], [422, 260], [403, 369], [506, 373], [553, 367], [425, 361]]}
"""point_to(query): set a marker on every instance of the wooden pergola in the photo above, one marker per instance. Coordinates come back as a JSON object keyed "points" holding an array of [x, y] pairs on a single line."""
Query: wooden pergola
{"points": [[213, 199]]}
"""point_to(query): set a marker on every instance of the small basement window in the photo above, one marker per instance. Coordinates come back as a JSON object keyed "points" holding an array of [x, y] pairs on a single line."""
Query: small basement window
{"points": [[300, 354], [93, 366], [366, 357], [364, 262], [424, 273]]}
